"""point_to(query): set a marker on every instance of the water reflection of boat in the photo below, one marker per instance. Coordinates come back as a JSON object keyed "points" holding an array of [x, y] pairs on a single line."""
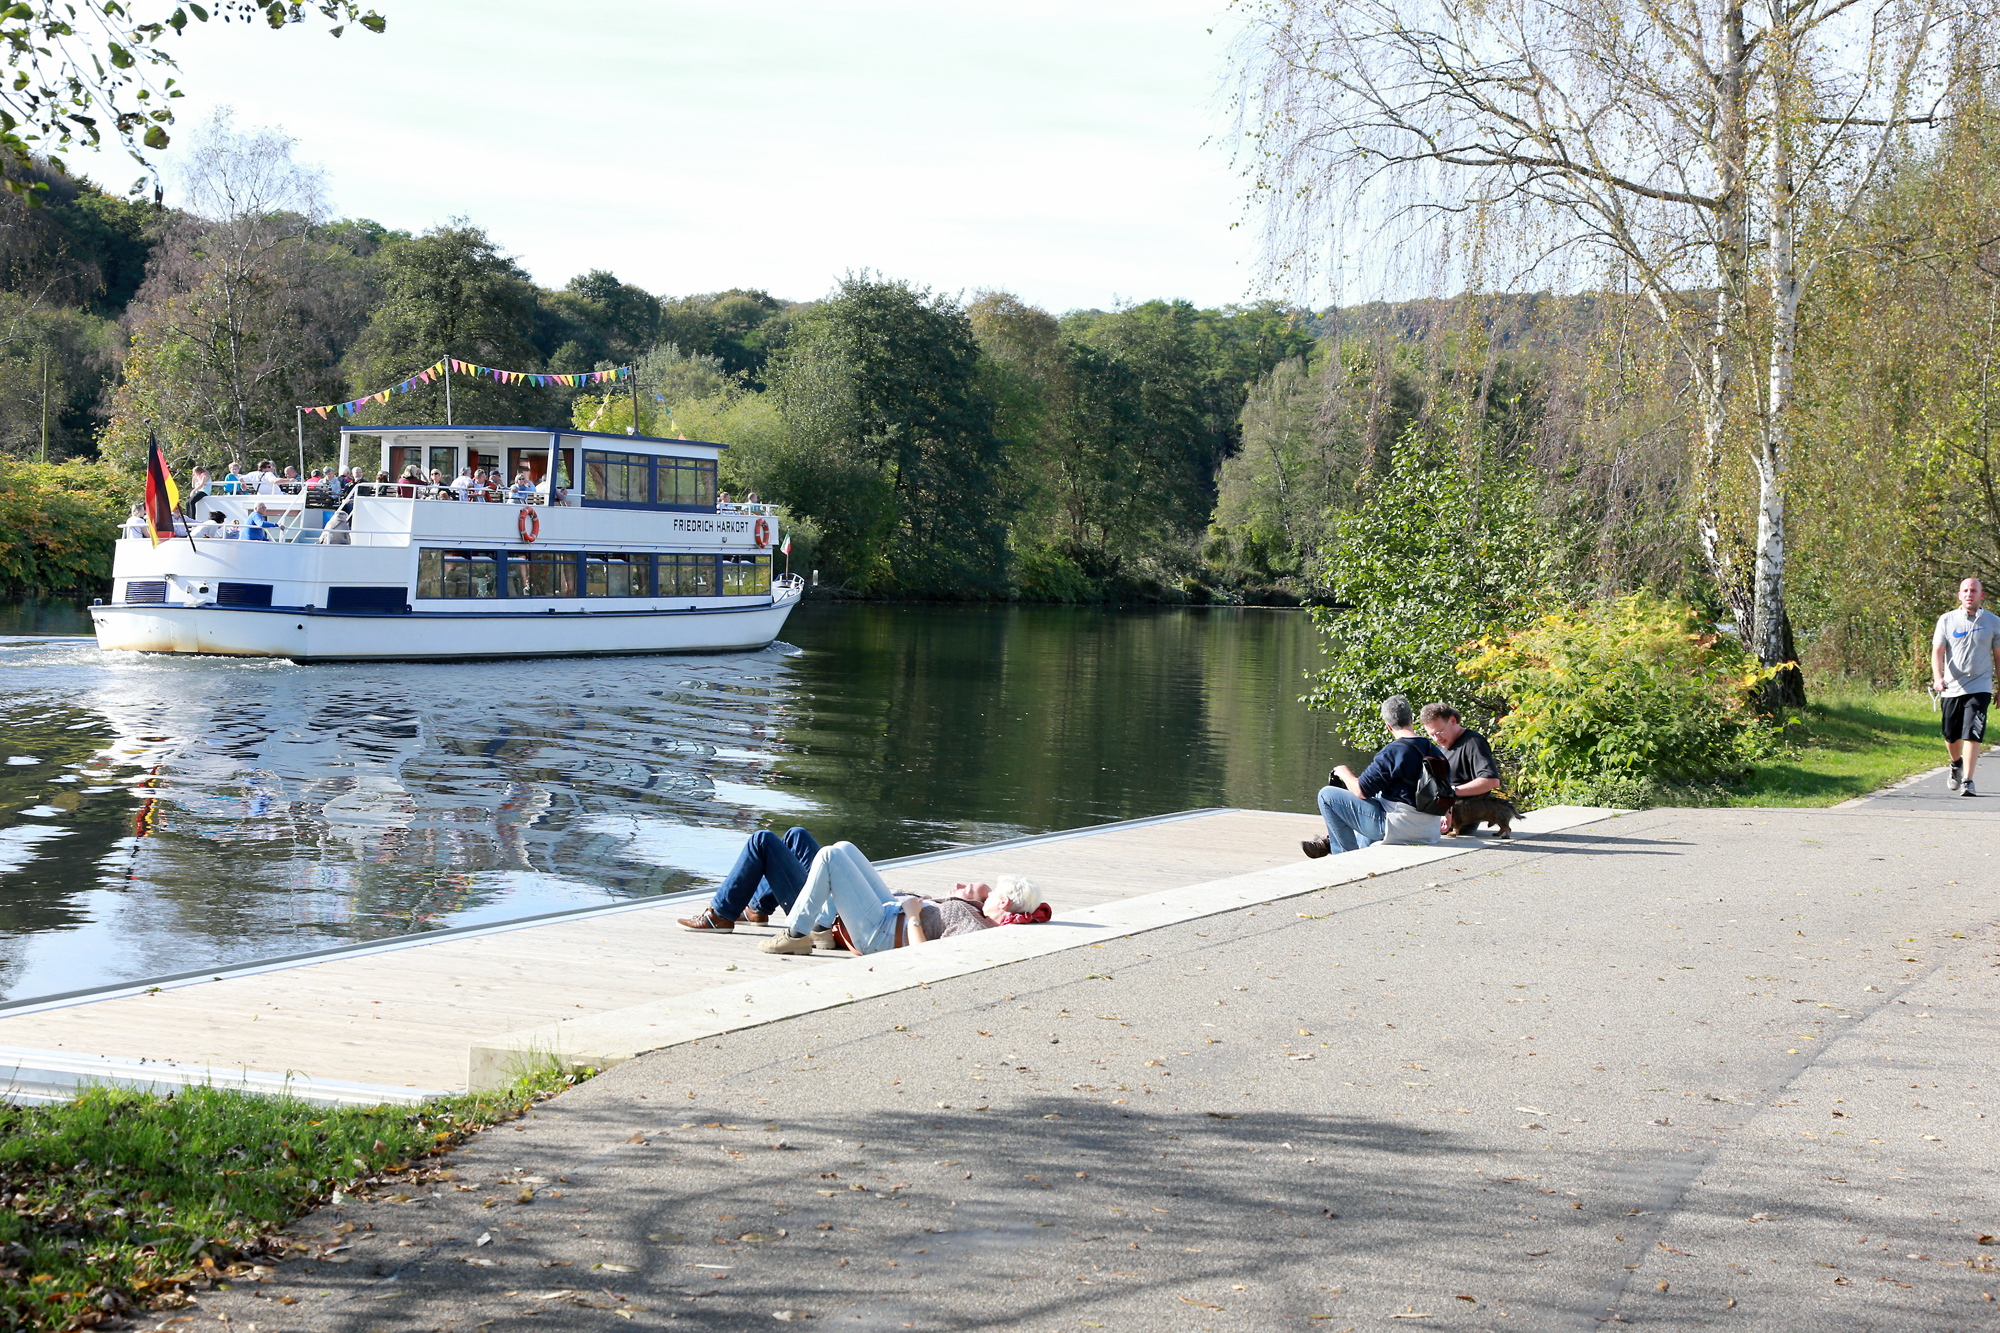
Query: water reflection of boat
{"points": [[637, 558]]}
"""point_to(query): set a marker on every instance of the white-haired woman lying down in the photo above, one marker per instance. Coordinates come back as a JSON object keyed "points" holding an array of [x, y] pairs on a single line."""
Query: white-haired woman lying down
{"points": [[842, 884]]}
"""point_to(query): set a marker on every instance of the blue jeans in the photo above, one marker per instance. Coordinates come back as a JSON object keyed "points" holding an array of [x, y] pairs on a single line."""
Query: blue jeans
{"points": [[1352, 822], [768, 874]]}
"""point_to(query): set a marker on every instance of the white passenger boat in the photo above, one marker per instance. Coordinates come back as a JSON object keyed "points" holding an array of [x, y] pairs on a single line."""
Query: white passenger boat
{"points": [[637, 558]]}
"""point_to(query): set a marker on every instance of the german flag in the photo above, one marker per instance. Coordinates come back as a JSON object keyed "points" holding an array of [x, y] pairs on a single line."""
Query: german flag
{"points": [[161, 497]]}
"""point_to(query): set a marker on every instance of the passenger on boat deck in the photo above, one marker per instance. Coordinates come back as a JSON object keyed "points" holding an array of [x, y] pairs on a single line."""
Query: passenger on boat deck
{"points": [[197, 490], [437, 483], [258, 522], [292, 476], [210, 526], [233, 479], [524, 487], [722, 500], [461, 485], [135, 522], [267, 478]]}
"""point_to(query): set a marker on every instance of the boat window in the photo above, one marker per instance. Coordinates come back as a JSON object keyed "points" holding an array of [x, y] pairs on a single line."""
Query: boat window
{"points": [[458, 573], [535, 462], [444, 458], [619, 478], [403, 456], [541, 574], [687, 576], [617, 575], [745, 575], [687, 481]]}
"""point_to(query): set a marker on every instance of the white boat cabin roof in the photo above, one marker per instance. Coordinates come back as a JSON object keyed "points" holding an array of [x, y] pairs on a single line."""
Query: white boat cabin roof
{"points": [[528, 437]]}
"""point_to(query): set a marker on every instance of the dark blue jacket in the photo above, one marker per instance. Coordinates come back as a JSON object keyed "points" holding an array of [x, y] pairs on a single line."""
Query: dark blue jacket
{"points": [[1396, 767]]}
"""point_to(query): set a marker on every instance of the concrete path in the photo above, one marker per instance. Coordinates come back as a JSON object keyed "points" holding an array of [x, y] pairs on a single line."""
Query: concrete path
{"points": [[1721, 1068]]}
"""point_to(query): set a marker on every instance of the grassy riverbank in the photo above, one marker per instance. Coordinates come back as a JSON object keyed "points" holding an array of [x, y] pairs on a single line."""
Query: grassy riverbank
{"points": [[1858, 740], [119, 1201]]}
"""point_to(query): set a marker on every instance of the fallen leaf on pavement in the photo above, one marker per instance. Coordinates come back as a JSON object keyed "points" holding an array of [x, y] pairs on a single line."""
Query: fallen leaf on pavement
{"points": [[1203, 1304]]}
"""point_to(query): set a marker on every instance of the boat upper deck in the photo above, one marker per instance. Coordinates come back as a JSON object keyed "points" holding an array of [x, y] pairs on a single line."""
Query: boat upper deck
{"points": [[592, 468]]}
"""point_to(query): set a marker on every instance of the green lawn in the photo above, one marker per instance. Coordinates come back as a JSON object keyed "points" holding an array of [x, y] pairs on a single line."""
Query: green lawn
{"points": [[1858, 741], [120, 1201]]}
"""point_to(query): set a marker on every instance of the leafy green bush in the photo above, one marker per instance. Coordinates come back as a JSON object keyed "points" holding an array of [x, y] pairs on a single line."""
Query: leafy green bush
{"points": [[57, 525], [1619, 702], [1447, 547], [1045, 573]]}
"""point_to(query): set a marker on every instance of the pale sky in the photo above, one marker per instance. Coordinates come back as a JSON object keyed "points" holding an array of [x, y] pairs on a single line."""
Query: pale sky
{"points": [[1072, 153]]}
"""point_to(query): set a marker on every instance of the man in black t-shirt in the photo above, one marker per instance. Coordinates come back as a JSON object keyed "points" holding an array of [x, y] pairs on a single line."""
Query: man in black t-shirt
{"points": [[1473, 770]]}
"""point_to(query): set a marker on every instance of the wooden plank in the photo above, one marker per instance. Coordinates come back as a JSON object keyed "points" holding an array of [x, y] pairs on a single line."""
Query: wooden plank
{"points": [[407, 1017]]}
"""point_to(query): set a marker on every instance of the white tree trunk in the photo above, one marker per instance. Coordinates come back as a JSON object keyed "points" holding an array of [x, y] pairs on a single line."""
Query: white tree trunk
{"points": [[1768, 637]]}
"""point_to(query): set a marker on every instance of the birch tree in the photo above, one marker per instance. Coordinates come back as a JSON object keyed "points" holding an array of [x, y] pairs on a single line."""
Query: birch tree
{"points": [[1711, 153]]}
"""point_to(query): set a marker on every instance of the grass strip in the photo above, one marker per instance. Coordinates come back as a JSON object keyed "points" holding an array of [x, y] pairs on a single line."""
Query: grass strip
{"points": [[122, 1200], [1857, 740]]}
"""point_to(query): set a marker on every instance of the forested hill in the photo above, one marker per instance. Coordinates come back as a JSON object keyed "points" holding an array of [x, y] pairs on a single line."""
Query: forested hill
{"points": [[1528, 326]]}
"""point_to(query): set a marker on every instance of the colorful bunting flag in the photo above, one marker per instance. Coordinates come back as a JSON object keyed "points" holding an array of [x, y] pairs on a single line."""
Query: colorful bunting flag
{"points": [[431, 374]]}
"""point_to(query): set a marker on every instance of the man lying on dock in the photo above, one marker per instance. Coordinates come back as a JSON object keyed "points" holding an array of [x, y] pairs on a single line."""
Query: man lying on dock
{"points": [[767, 877]]}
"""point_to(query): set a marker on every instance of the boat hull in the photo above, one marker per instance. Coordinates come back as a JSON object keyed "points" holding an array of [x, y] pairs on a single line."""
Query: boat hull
{"points": [[331, 636]]}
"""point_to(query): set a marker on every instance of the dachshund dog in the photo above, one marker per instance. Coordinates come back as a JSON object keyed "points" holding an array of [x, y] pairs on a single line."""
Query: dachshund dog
{"points": [[1467, 813]]}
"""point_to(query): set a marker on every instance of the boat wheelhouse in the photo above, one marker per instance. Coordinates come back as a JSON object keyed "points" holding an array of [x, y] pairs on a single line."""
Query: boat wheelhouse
{"points": [[617, 546]]}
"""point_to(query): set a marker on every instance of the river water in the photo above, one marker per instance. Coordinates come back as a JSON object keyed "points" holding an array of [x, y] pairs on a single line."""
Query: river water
{"points": [[161, 814]]}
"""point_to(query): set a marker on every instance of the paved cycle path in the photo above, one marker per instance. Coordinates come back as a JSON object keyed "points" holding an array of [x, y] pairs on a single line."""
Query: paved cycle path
{"points": [[1696, 1069]]}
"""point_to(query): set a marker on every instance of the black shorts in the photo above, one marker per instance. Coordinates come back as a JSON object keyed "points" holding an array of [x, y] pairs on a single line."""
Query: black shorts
{"points": [[1965, 716]]}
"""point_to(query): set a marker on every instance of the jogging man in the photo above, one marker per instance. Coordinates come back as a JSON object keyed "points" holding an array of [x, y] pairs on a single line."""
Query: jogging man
{"points": [[1965, 650]]}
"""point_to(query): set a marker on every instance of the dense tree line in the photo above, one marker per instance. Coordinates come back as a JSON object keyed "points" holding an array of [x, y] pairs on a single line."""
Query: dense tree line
{"points": [[931, 444], [925, 444]]}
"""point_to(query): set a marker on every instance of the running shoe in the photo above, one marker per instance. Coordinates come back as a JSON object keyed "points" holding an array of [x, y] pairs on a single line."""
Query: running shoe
{"points": [[1968, 791]]}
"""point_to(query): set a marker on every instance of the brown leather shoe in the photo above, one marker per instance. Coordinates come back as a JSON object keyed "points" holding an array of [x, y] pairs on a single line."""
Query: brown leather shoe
{"points": [[755, 917], [1314, 848], [706, 919]]}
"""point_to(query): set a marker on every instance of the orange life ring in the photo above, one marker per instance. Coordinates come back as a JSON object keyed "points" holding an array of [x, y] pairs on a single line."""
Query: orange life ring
{"points": [[763, 533], [530, 524]]}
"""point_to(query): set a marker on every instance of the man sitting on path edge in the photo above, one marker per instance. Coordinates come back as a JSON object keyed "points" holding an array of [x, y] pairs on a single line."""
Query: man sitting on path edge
{"points": [[1474, 771], [1379, 805], [1965, 651]]}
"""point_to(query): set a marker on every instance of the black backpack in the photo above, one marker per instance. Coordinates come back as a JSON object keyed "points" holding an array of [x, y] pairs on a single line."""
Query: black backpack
{"points": [[1434, 790]]}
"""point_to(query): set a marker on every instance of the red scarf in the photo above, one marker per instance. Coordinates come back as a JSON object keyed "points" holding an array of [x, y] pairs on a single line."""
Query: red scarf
{"points": [[1040, 914]]}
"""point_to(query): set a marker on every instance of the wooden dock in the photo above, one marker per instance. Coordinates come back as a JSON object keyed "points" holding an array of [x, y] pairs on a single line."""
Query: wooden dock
{"points": [[405, 1019]]}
